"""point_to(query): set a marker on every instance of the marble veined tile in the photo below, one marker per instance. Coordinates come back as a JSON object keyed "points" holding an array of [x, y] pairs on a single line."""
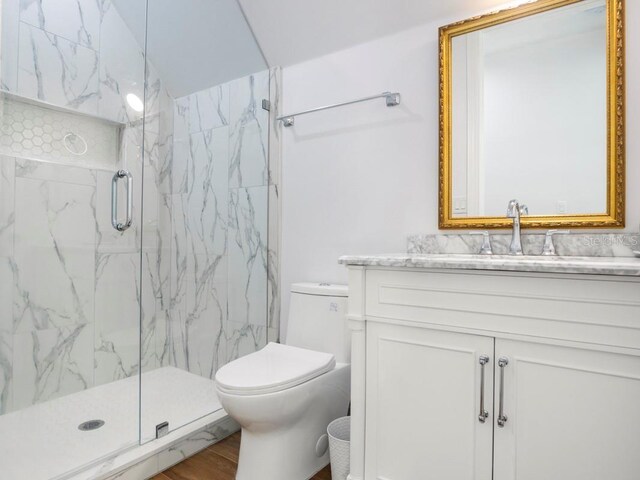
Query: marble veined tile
{"points": [[159, 148], [121, 67], [6, 293], [179, 255], [10, 37], [55, 233], [208, 108], [155, 294], [170, 347], [7, 192], [243, 339], [275, 126], [6, 372], [248, 255], [204, 338], [51, 363], [208, 192], [154, 92], [55, 173], [194, 339], [245, 98], [181, 118], [117, 316], [273, 270], [249, 135], [75, 20], [180, 165], [57, 71]]}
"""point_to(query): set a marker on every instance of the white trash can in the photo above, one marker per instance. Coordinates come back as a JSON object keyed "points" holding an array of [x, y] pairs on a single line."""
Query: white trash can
{"points": [[339, 432]]}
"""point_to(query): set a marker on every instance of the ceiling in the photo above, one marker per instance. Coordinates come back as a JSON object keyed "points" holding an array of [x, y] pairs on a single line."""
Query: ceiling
{"points": [[194, 44], [292, 31]]}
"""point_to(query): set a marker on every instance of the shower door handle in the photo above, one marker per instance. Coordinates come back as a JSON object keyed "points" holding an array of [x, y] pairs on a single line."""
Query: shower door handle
{"points": [[121, 227]]}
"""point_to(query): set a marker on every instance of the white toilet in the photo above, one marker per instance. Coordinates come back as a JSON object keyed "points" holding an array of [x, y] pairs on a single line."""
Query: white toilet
{"points": [[285, 395]]}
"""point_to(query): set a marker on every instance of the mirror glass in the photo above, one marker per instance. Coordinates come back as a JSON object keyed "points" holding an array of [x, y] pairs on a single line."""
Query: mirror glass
{"points": [[529, 114]]}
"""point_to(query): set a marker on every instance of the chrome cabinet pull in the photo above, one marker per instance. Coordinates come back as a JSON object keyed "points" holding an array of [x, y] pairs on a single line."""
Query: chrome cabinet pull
{"points": [[482, 417], [502, 418], [121, 227]]}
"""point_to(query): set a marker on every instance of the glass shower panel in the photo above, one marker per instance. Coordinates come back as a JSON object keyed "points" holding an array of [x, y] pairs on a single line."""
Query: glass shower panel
{"points": [[69, 281], [205, 204]]}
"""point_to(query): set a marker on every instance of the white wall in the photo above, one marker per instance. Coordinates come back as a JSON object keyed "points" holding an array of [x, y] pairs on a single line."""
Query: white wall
{"points": [[361, 178]]}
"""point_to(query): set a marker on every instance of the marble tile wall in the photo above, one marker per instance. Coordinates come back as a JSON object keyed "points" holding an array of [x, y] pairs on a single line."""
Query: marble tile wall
{"points": [[219, 202], [77, 54], [71, 293], [48, 239]]}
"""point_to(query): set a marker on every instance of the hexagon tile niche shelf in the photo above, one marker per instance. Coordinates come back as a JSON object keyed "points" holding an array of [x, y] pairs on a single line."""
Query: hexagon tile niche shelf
{"points": [[41, 132]]}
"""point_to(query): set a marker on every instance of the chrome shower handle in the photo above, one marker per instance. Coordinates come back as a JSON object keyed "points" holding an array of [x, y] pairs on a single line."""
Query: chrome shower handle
{"points": [[502, 418], [121, 227], [483, 415]]}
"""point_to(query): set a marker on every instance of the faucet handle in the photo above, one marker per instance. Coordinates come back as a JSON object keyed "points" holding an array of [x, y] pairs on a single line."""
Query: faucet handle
{"points": [[486, 242], [549, 248], [524, 210]]}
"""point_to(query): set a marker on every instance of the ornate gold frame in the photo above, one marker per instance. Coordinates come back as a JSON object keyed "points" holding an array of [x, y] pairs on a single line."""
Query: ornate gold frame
{"points": [[614, 216]]}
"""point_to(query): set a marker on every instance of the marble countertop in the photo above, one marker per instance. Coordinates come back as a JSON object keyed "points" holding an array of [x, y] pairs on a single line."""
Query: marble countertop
{"points": [[624, 266]]}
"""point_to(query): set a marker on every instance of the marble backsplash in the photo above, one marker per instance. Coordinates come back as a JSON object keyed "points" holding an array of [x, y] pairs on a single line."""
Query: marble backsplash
{"points": [[573, 244]]}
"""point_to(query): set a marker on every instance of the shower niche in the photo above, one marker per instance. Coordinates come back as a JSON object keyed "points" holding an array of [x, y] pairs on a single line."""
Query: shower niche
{"points": [[42, 132]]}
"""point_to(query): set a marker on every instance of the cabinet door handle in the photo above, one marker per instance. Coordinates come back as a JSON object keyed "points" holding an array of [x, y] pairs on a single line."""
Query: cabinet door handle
{"points": [[502, 418], [482, 417], [121, 227]]}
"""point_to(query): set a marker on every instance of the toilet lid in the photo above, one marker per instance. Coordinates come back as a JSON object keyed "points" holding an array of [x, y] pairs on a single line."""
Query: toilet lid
{"points": [[274, 368]]}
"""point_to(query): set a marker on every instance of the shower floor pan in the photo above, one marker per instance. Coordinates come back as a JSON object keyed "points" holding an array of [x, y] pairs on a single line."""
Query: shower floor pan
{"points": [[44, 442]]}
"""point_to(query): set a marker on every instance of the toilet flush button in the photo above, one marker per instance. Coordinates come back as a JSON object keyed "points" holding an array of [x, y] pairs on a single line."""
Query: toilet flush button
{"points": [[322, 445]]}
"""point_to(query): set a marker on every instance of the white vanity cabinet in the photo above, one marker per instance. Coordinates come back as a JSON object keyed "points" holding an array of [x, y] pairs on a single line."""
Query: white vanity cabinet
{"points": [[561, 361], [572, 413], [423, 403]]}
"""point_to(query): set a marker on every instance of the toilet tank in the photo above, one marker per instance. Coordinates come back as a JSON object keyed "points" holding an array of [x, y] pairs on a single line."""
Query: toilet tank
{"points": [[317, 319]]}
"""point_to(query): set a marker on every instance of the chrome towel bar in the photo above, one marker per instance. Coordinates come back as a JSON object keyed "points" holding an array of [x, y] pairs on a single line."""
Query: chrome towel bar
{"points": [[392, 100]]}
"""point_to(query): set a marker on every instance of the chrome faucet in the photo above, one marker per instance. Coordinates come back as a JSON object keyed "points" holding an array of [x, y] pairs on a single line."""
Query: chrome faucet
{"points": [[515, 210]]}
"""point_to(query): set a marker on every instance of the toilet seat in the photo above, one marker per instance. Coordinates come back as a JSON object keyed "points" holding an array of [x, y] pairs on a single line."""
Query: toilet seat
{"points": [[275, 368]]}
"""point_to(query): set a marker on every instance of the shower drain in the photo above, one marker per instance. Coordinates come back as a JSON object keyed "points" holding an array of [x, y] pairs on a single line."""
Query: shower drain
{"points": [[90, 425]]}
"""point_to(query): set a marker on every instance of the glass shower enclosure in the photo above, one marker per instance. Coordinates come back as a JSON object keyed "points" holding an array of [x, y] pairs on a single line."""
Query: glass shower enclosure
{"points": [[133, 222]]}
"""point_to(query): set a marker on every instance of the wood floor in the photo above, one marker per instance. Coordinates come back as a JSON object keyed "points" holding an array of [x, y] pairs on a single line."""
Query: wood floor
{"points": [[218, 462]]}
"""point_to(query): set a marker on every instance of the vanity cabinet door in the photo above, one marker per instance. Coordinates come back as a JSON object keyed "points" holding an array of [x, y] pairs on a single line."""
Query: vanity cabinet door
{"points": [[572, 414], [423, 403]]}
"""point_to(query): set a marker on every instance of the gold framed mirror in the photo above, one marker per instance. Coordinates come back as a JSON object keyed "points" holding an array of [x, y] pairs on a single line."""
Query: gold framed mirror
{"points": [[532, 108]]}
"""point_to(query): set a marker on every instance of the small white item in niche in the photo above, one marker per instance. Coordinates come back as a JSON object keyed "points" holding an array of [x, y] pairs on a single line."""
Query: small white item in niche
{"points": [[75, 144]]}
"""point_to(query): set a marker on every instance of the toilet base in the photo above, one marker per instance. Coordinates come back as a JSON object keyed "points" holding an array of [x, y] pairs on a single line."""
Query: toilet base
{"points": [[284, 433], [268, 456]]}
